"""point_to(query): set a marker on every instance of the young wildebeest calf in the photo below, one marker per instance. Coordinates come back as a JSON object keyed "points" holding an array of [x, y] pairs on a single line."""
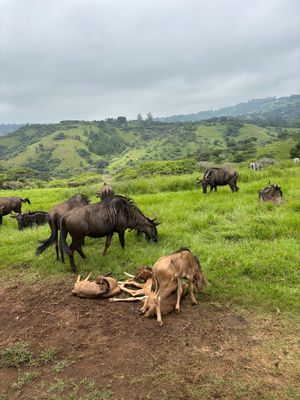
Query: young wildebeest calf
{"points": [[102, 287], [145, 294], [173, 268], [30, 219], [9, 204]]}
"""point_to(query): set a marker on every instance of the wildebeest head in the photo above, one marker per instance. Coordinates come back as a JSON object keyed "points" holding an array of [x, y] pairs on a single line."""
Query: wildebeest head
{"points": [[150, 229], [199, 280], [103, 284], [20, 219], [143, 273], [2, 210]]}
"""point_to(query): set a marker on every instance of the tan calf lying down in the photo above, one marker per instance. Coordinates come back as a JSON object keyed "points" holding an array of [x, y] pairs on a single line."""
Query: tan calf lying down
{"points": [[102, 287], [149, 305], [170, 270]]}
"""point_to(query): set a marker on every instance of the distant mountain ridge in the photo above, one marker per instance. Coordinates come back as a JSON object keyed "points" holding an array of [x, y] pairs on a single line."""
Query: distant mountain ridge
{"points": [[270, 107], [8, 128]]}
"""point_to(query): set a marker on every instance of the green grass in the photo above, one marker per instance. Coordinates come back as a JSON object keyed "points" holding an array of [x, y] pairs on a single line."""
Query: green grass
{"points": [[16, 355], [250, 252]]}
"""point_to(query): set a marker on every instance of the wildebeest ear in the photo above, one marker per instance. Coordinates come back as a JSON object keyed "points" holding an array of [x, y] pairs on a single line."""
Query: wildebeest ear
{"points": [[156, 223], [108, 274]]}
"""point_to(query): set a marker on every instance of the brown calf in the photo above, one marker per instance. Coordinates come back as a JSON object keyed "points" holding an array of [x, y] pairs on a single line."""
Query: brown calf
{"points": [[102, 287], [170, 270]]}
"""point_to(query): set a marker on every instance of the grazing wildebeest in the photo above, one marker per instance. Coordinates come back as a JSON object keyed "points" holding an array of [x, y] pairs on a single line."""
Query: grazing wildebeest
{"points": [[272, 193], [256, 166], [113, 214], [219, 177], [296, 160], [78, 200], [9, 204], [105, 191], [171, 269], [31, 218]]}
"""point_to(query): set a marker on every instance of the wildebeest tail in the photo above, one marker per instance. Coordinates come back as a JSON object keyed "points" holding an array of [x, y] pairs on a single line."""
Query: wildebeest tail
{"points": [[62, 238], [26, 200], [48, 242]]}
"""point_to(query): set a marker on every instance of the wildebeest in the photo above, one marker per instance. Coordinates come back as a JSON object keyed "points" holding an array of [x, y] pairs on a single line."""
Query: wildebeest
{"points": [[103, 287], [272, 193], [171, 269], [219, 177], [78, 200], [9, 204], [105, 191], [31, 218], [256, 166], [114, 214], [296, 160], [145, 294]]}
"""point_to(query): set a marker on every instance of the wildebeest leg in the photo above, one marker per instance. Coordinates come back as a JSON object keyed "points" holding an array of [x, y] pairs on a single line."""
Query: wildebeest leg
{"points": [[191, 288], [162, 294], [80, 251], [107, 243], [132, 292], [232, 186], [0, 219], [74, 246], [121, 238], [179, 294]]}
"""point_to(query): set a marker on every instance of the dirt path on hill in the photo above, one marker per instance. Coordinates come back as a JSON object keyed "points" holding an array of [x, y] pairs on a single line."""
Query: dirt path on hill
{"points": [[108, 350]]}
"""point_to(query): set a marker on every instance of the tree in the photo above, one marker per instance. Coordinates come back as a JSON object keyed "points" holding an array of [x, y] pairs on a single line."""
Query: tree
{"points": [[149, 117], [295, 151], [139, 117]]}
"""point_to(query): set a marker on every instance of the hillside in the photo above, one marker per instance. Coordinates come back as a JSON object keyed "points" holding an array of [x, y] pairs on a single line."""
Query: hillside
{"points": [[282, 111], [110, 146]]}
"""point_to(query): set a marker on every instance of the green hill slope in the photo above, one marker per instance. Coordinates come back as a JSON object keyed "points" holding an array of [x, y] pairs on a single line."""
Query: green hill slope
{"points": [[110, 146]]}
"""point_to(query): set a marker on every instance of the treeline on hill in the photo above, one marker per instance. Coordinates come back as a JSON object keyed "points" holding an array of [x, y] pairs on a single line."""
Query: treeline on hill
{"points": [[135, 148]]}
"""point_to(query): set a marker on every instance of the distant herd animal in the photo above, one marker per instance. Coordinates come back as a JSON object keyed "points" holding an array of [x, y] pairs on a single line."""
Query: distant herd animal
{"points": [[214, 177], [161, 288]]}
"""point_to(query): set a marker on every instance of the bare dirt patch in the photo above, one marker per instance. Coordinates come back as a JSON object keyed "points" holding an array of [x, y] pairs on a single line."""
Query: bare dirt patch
{"points": [[109, 351]]}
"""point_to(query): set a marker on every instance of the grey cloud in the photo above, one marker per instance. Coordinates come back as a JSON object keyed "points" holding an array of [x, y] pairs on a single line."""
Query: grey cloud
{"points": [[88, 59]]}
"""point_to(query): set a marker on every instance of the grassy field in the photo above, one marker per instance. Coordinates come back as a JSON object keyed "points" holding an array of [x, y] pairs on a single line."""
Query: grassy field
{"points": [[249, 252]]}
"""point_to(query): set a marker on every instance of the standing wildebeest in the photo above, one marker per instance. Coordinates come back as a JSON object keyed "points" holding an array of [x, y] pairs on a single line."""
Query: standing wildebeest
{"points": [[55, 214], [256, 166], [219, 177], [114, 214], [105, 191], [9, 204], [29, 219], [296, 160], [272, 193]]}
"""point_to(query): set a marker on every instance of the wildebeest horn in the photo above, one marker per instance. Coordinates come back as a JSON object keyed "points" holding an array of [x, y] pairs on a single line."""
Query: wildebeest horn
{"points": [[78, 279], [108, 274]]}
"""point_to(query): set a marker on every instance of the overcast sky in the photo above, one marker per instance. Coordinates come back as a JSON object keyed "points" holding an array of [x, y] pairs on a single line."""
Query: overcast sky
{"points": [[94, 59]]}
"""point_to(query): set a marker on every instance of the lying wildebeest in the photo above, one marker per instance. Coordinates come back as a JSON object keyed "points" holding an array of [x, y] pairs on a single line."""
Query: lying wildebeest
{"points": [[105, 191], [172, 269], [219, 177], [55, 214], [113, 214], [145, 294], [9, 204], [103, 287], [272, 193], [31, 218]]}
